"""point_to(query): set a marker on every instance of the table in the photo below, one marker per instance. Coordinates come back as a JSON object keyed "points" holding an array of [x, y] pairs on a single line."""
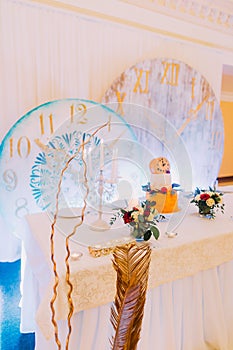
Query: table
{"points": [[189, 301]]}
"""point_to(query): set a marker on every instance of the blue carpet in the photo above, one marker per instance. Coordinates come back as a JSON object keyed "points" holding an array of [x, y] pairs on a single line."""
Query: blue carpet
{"points": [[10, 336]]}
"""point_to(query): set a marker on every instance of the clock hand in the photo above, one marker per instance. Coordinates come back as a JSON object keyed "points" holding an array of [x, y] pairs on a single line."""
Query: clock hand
{"points": [[192, 115], [183, 126], [41, 145], [194, 111], [47, 148], [112, 144]]}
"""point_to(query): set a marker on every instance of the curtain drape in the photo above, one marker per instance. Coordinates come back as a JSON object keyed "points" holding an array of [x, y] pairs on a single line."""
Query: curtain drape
{"points": [[50, 53]]}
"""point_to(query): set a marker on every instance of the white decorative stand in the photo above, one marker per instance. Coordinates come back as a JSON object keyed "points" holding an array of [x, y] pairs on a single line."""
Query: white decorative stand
{"points": [[100, 224]]}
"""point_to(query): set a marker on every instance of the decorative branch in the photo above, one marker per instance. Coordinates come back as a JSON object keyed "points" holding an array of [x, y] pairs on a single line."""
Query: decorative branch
{"points": [[69, 294], [69, 297]]}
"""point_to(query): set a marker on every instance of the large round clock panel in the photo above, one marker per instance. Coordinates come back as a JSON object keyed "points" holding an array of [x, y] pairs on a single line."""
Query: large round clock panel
{"points": [[185, 98], [38, 146]]}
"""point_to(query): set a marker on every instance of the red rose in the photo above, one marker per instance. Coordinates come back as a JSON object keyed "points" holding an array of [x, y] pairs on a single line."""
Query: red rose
{"points": [[127, 218], [135, 209], [163, 189], [204, 196]]}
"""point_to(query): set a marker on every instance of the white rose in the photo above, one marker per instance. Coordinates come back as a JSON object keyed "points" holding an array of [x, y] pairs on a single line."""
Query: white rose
{"points": [[210, 202], [197, 197]]}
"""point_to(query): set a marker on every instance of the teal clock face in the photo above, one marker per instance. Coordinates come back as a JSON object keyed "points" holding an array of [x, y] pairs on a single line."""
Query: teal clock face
{"points": [[37, 148], [185, 98]]}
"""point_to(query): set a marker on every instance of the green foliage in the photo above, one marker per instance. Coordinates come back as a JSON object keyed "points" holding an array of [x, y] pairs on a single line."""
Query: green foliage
{"points": [[141, 219], [208, 201], [155, 232]]}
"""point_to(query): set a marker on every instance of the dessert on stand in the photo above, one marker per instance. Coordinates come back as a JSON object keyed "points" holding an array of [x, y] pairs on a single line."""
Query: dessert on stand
{"points": [[160, 189]]}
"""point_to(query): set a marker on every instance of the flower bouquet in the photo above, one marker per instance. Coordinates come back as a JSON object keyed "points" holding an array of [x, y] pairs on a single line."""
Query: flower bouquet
{"points": [[141, 219], [208, 201]]}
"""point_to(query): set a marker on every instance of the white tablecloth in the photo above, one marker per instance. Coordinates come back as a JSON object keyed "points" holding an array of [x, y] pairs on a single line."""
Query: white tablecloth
{"points": [[189, 303]]}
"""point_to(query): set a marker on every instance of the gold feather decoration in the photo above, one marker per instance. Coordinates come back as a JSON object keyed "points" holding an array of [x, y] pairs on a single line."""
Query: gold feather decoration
{"points": [[131, 263], [124, 322]]}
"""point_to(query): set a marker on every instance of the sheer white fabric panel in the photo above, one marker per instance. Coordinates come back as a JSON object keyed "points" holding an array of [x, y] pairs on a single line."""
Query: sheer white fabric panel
{"points": [[192, 313], [9, 244], [48, 54]]}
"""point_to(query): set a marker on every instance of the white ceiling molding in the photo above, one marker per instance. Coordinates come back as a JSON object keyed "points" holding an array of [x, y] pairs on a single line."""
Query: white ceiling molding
{"points": [[194, 21], [217, 15]]}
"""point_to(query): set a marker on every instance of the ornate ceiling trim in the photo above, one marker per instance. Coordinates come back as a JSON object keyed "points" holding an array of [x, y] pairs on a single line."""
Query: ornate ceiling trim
{"points": [[125, 16], [216, 15]]}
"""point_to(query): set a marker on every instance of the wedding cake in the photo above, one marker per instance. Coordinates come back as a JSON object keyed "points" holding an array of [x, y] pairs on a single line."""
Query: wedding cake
{"points": [[160, 189]]}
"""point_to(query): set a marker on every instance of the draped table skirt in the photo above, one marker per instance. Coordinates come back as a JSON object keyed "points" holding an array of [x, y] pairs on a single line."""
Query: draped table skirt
{"points": [[193, 313]]}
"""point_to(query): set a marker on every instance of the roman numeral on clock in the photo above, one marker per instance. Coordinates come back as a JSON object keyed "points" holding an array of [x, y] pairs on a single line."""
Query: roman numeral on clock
{"points": [[170, 74], [209, 109], [140, 73], [42, 126], [120, 99]]}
